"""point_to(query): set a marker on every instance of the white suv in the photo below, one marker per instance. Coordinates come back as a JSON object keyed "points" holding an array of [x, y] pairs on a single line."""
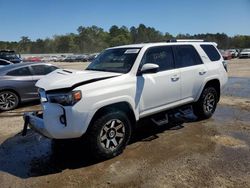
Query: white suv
{"points": [[124, 84]]}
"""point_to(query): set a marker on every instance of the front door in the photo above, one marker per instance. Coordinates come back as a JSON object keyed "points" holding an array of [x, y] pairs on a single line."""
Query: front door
{"points": [[163, 87]]}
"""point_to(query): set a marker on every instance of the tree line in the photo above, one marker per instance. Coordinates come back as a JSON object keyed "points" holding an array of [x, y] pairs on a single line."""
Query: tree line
{"points": [[94, 39]]}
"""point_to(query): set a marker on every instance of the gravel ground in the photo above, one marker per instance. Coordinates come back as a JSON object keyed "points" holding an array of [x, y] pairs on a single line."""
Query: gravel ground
{"points": [[210, 153]]}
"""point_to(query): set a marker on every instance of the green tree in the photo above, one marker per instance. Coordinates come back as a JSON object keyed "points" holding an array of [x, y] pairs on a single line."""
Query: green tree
{"points": [[91, 39], [119, 36], [24, 45], [145, 34], [38, 46]]}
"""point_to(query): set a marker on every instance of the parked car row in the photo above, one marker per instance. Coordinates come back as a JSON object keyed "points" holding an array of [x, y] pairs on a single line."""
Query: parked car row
{"points": [[235, 53], [226, 54], [61, 58]]}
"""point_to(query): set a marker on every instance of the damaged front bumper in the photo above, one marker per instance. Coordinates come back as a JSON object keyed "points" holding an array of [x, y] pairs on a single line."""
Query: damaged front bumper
{"points": [[35, 121]]}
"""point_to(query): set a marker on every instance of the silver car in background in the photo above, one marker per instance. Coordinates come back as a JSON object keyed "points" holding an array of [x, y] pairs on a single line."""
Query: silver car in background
{"points": [[245, 53], [17, 83]]}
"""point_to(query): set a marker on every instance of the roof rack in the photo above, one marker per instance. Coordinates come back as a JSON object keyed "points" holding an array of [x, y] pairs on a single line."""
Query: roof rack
{"points": [[185, 40]]}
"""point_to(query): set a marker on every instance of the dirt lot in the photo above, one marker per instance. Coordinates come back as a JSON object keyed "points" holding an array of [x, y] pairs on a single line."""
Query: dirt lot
{"points": [[211, 153]]}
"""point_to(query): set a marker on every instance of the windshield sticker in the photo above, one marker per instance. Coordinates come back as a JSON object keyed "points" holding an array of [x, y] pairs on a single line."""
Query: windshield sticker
{"points": [[132, 51]]}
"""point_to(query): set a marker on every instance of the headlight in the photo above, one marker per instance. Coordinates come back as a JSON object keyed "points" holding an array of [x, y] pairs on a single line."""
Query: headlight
{"points": [[66, 99]]}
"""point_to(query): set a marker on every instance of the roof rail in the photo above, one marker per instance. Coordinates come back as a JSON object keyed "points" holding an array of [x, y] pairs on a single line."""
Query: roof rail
{"points": [[185, 40]]}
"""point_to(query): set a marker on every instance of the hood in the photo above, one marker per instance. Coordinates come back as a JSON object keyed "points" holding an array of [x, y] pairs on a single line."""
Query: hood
{"points": [[66, 78]]}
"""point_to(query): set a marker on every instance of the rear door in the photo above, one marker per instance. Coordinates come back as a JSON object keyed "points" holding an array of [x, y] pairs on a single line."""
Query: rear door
{"points": [[192, 70], [163, 87], [39, 71]]}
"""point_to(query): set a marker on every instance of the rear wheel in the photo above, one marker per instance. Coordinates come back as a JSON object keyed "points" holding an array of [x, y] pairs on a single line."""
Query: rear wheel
{"points": [[8, 100], [109, 134], [207, 103]]}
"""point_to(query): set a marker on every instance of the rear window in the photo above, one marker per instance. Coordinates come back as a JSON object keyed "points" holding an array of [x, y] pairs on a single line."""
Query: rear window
{"points": [[186, 56], [42, 69], [211, 52]]}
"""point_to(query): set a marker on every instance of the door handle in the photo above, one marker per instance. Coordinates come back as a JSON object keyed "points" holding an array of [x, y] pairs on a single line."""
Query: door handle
{"points": [[175, 78]]}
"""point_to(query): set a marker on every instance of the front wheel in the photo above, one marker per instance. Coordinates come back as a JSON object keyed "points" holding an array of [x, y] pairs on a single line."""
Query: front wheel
{"points": [[109, 134], [8, 100], [207, 103]]}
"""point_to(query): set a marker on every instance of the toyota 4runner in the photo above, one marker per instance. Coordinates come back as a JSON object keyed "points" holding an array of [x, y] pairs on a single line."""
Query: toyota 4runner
{"points": [[125, 84]]}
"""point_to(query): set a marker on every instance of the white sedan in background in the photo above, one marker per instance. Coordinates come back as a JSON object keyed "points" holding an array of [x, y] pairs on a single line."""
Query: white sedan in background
{"points": [[245, 53]]}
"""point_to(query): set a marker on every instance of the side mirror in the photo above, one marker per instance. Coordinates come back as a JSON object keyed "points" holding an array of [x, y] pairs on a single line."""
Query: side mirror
{"points": [[149, 68]]}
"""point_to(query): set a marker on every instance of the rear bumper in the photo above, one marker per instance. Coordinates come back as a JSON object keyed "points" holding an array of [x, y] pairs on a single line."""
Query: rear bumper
{"points": [[35, 122]]}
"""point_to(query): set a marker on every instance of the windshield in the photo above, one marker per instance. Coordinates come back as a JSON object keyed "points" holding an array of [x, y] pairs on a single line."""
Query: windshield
{"points": [[118, 60]]}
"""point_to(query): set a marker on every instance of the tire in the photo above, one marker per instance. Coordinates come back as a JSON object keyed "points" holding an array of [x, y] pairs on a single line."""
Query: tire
{"points": [[109, 134], [8, 100], [207, 103]]}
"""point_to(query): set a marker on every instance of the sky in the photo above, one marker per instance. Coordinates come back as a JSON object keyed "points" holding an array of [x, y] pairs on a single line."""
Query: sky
{"points": [[46, 18]]}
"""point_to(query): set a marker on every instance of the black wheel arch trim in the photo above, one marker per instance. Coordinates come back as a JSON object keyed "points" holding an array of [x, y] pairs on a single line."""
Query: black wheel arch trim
{"points": [[213, 83]]}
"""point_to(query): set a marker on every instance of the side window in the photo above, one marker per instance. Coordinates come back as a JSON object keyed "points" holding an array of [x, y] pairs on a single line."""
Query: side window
{"points": [[24, 71], [186, 56], [42, 69], [211, 52], [161, 56], [3, 62]]}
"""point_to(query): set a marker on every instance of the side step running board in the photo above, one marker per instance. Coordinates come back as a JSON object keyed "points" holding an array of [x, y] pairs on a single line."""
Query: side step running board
{"points": [[160, 121], [183, 114]]}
